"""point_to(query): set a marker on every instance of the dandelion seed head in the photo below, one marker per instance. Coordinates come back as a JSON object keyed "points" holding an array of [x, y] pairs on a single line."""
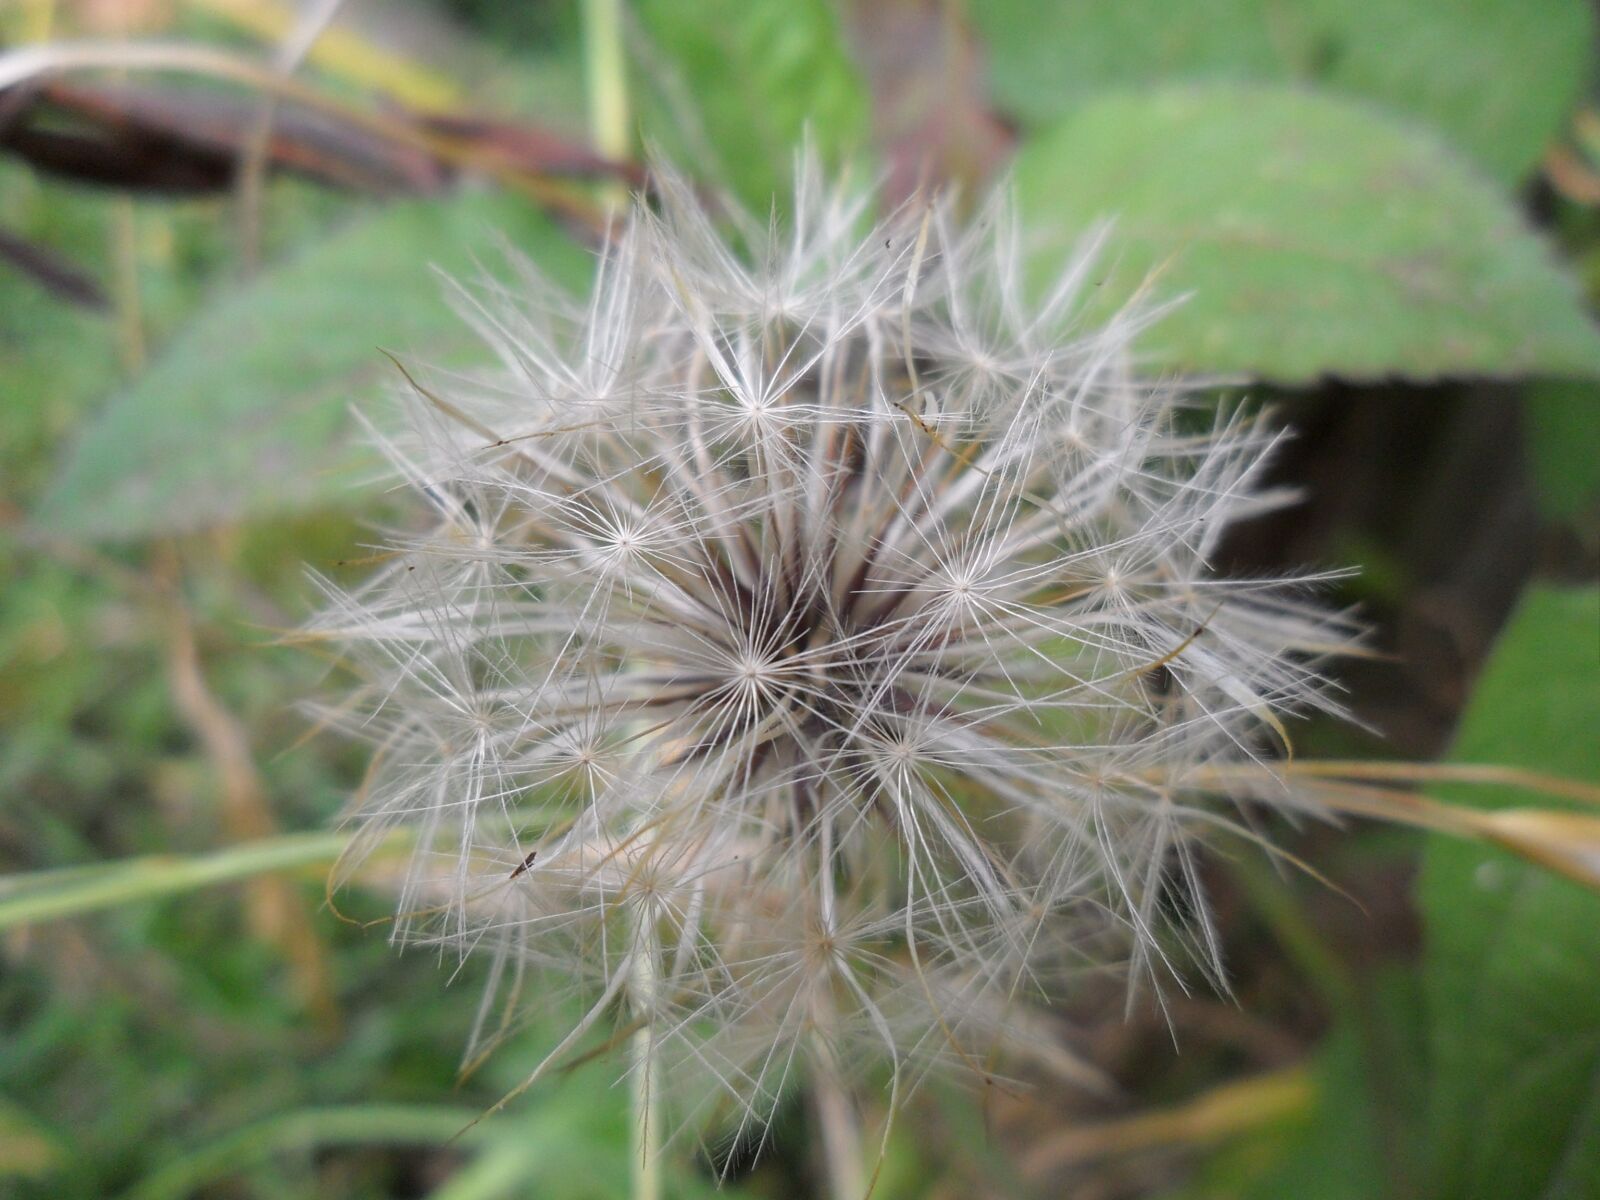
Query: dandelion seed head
{"points": [[817, 650]]}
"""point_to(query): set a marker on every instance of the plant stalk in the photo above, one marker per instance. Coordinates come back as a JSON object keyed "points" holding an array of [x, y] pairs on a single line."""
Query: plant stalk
{"points": [[646, 1122], [606, 77], [840, 1130]]}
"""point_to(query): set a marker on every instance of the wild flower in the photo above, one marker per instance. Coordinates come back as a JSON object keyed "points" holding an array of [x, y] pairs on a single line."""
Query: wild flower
{"points": [[816, 653]]}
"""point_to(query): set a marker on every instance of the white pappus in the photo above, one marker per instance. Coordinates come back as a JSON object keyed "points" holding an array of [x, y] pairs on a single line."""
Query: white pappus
{"points": [[816, 655]]}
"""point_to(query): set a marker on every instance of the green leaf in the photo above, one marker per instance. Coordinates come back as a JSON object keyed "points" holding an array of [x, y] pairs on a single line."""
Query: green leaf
{"points": [[72, 891], [1329, 1150], [1316, 235], [1496, 76], [1510, 968], [758, 74], [1334, 1152], [1562, 424], [318, 1128], [247, 412]]}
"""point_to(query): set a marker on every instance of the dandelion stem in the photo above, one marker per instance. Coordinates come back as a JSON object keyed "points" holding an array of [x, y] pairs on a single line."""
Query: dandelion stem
{"points": [[125, 295], [840, 1131], [606, 77], [646, 1125]]}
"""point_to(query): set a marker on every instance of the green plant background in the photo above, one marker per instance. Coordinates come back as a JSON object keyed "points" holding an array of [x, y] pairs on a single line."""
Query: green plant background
{"points": [[1354, 198]]}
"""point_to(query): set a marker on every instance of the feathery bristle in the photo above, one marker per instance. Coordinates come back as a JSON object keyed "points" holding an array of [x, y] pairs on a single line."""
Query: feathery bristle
{"points": [[817, 639]]}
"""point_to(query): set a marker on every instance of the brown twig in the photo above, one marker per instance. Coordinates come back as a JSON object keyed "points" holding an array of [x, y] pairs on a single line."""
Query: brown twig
{"points": [[1574, 178], [277, 912], [255, 150], [51, 271], [34, 64], [180, 142]]}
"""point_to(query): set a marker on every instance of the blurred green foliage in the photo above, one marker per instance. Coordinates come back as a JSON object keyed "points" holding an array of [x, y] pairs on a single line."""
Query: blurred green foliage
{"points": [[740, 83], [1336, 184], [1313, 236], [1478, 1076], [248, 412], [1564, 442], [1496, 77], [1512, 951]]}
